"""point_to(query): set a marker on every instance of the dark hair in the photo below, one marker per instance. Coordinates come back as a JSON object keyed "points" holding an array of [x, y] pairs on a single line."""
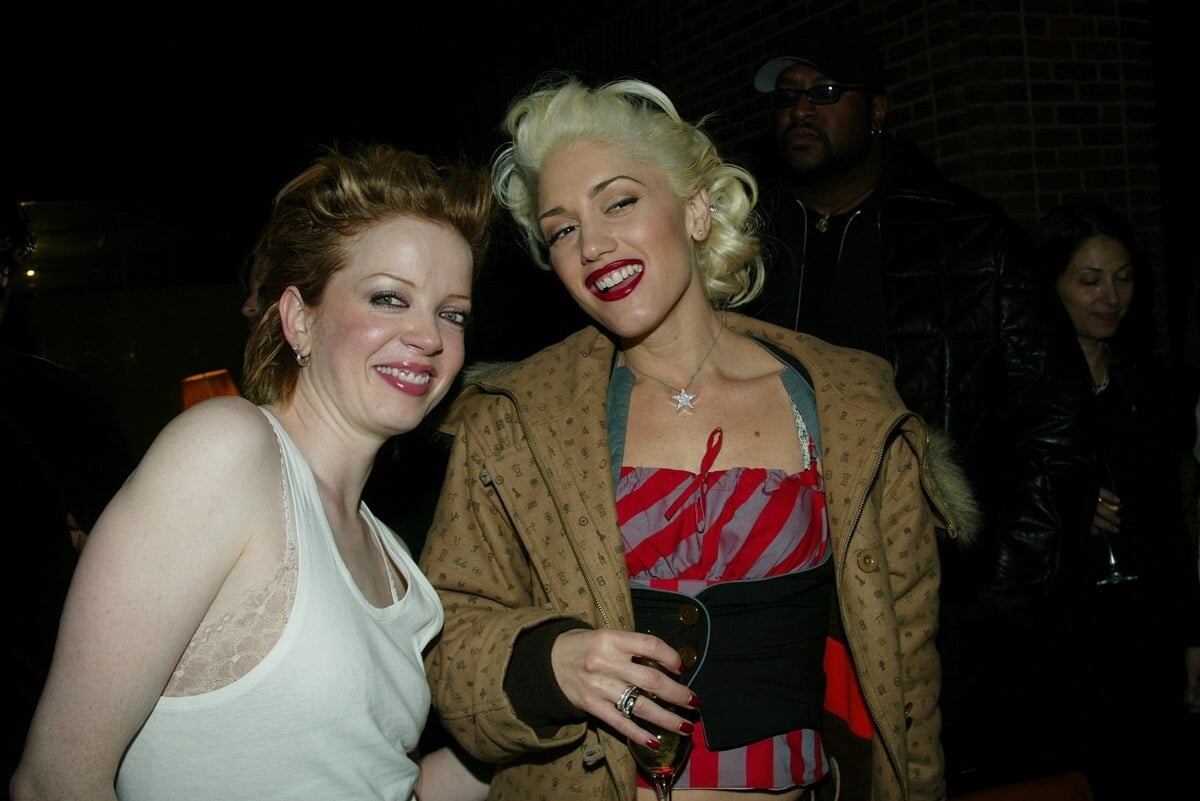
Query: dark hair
{"points": [[339, 196], [1064, 230]]}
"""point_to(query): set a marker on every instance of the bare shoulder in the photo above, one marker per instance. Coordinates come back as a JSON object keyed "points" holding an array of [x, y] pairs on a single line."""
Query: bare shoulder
{"points": [[224, 443], [220, 424], [207, 486], [233, 414]]}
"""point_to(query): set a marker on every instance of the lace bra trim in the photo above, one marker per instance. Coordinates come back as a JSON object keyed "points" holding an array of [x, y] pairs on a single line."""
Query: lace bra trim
{"points": [[229, 643]]}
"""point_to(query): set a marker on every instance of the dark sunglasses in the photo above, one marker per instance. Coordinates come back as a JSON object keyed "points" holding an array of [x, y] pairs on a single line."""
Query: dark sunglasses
{"points": [[821, 95]]}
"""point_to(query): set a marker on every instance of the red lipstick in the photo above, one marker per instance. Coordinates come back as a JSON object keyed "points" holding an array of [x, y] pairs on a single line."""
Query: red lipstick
{"points": [[615, 280]]}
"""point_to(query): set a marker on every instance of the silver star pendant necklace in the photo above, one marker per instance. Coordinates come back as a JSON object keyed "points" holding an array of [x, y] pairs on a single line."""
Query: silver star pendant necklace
{"points": [[683, 399]]}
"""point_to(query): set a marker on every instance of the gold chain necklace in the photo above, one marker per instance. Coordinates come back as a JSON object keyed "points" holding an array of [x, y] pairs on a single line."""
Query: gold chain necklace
{"points": [[822, 224], [683, 399]]}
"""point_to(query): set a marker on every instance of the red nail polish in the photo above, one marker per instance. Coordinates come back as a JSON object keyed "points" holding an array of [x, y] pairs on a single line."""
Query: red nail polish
{"points": [[686, 728], [694, 700], [653, 743]]}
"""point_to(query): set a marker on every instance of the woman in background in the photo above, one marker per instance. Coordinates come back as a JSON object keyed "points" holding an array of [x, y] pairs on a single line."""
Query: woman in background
{"points": [[1129, 649], [240, 624]]}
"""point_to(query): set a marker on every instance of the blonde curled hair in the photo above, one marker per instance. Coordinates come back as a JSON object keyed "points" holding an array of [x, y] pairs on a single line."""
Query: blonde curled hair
{"points": [[639, 118]]}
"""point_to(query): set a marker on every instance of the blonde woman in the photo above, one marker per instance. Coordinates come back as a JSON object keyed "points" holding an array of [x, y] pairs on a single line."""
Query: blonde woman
{"points": [[676, 455]]}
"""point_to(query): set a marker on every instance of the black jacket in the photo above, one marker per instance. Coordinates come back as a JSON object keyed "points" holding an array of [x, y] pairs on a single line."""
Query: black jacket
{"points": [[979, 352]]}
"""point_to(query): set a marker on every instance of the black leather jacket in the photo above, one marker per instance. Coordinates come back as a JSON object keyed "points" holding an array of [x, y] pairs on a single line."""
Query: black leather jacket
{"points": [[979, 352]]}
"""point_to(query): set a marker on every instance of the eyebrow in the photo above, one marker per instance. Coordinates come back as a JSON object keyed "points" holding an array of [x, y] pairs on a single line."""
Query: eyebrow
{"points": [[1096, 268], [595, 190], [411, 285]]}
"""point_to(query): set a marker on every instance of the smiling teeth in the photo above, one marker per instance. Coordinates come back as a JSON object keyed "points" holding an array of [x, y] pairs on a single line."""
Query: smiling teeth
{"points": [[406, 376], [617, 276]]}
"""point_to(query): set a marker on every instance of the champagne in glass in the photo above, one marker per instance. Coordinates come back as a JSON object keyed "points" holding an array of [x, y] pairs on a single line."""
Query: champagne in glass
{"points": [[660, 765], [1115, 574]]}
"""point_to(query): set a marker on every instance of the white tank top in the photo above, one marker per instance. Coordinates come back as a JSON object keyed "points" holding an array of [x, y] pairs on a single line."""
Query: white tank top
{"points": [[333, 709]]}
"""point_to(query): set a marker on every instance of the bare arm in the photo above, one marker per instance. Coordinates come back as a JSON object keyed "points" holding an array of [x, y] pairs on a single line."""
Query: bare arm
{"points": [[155, 561], [447, 775]]}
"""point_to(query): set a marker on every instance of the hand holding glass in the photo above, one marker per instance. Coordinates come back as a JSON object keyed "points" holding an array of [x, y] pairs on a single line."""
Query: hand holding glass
{"points": [[1115, 574]]}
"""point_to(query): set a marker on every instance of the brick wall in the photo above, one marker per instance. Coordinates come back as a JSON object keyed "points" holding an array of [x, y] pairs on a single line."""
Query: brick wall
{"points": [[1031, 103]]}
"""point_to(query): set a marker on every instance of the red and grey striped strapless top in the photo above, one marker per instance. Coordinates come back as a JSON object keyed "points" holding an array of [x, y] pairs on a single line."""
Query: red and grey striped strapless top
{"points": [[686, 531]]}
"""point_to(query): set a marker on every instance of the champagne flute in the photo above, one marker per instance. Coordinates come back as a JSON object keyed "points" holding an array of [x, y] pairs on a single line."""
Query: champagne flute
{"points": [[662, 764], [1115, 575]]}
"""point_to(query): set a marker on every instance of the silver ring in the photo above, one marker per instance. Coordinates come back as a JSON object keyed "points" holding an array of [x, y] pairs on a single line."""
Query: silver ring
{"points": [[627, 700]]}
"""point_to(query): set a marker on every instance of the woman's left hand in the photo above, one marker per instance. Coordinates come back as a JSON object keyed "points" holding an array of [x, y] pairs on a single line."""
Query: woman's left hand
{"points": [[1107, 519], [594, 667]]}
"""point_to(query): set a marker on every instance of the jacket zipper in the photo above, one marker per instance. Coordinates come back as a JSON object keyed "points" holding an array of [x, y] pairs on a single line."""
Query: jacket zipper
{"points": [[576, 550], [595, 751], [804, 255], [936, 497]]}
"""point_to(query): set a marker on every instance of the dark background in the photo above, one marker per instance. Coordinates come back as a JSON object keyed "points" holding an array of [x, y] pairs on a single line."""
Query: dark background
{"points": [[223, 103], [147, 142], [146, 149]]}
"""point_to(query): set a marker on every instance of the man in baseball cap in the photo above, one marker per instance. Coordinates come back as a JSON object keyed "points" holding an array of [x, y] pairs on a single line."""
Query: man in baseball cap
{"points": [[868, 245], [840, 52]]}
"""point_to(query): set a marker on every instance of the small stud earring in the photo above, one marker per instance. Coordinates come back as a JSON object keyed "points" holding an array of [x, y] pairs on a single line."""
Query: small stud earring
{"points": [[301, 359]]}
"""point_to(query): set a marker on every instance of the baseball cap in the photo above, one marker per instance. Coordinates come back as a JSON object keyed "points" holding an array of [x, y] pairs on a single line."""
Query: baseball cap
{"points": [[838, 50]]}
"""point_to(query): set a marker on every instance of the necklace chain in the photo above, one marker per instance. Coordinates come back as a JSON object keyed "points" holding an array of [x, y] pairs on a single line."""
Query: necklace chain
{"points": [[822, 224], [683, 399]]}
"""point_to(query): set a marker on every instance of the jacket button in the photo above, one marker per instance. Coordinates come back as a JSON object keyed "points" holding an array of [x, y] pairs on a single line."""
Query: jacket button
{"points": [[867, 562], [688, 654], [908, 721], [688, 614]]}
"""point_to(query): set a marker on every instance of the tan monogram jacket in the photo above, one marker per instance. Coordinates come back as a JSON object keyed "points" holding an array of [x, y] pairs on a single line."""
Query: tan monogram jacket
{"points": [[526, 532]]}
